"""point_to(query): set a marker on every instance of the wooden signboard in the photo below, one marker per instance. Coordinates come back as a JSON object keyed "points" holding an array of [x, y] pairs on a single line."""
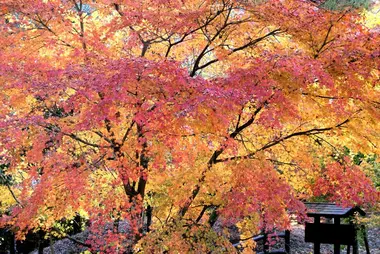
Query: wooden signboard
{"points": [[330, 233]]}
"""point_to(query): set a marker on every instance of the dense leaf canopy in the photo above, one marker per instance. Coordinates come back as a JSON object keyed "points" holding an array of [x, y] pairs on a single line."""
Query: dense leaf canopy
{"points": [[174, 115]]}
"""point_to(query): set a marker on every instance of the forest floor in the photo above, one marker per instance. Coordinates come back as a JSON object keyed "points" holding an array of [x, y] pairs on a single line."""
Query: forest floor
{"points": [[297, 243]]}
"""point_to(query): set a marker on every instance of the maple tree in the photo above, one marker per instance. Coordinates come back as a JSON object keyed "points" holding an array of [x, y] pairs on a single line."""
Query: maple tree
{"points": [[172, 115]]}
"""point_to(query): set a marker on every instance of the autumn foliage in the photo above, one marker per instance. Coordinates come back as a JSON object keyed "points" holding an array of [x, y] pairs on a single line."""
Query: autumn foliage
{"points": [[175, 116]]}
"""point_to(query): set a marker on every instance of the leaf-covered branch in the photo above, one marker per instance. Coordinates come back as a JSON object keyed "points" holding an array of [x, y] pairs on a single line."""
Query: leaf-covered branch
{"points": [[214, 159], [277, 141]]}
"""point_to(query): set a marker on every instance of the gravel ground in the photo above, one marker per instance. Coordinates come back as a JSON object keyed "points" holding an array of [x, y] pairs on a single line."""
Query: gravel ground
{"points": [[297, 243], [66, 246]]}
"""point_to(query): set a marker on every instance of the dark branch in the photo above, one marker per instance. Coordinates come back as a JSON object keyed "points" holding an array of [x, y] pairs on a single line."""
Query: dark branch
{"points": [[13, 194], [73, 136], [127, 132], [251, 43], [213, 160], [277, 141]]}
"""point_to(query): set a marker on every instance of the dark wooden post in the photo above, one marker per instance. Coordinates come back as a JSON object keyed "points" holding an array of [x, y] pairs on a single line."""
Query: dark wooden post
{"points": [[266, 243], [355, 247], [365, 239], [12, 243], [336, 246], [149, 210], [40, 237], [287, 241], [317, 245]]}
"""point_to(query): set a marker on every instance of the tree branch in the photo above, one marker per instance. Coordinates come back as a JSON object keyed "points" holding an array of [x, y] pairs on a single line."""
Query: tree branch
{"points": [[277, 141], [73, 136], [213, 160], [251, 43], [41, 22], [127, 132], [13, 195]]}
